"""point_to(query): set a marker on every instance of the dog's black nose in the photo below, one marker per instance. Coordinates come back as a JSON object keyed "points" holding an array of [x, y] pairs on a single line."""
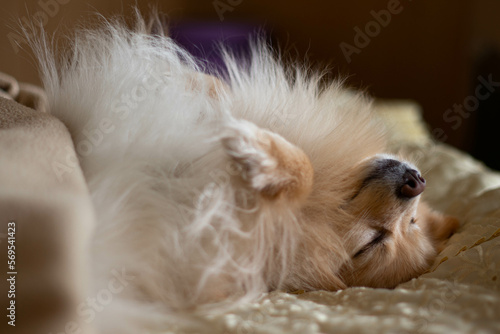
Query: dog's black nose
{"points": [[413, 184]]}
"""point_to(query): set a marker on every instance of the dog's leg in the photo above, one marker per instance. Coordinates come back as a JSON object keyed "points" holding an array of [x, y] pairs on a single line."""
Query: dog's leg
{"points": [[270, 164]]}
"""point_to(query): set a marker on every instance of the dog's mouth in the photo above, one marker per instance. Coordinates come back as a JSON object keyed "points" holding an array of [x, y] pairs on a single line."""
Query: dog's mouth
{"points": [[404, 180]]}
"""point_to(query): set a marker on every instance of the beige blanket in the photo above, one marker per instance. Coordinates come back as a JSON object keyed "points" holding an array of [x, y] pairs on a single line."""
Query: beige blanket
{"points": [[49, 206], [45, 220]]}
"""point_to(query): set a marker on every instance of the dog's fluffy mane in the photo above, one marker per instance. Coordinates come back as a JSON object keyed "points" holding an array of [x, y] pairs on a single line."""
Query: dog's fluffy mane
{"points": [[148, 133]]}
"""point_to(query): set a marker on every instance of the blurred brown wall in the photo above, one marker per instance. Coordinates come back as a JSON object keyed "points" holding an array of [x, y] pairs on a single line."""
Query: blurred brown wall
{"points": [[425, 53]]}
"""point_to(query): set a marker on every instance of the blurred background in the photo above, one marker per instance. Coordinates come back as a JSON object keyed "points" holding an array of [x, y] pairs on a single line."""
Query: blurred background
{"points": [[444, 54]]}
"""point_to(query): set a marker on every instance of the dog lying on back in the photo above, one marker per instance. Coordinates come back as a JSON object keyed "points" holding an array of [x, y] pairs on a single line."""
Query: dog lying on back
{"points": [[211, 190]]}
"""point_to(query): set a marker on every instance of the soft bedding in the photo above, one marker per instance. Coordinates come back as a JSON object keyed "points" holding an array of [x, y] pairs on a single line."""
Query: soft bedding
{"points": [[460, 294]]}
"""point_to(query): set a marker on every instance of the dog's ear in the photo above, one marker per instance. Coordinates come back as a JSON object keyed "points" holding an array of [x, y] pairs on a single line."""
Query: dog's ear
{"points": [[270, 164]]}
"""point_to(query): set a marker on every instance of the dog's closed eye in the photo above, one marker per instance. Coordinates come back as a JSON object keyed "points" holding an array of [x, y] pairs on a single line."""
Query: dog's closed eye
{"points": [[378, 239]]}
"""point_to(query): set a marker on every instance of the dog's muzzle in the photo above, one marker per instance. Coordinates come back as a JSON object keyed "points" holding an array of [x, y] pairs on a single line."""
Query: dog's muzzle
{"points": [[403, 178]]}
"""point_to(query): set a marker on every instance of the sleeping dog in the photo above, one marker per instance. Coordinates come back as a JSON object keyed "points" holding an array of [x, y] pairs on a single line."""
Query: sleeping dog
{"points": [[210, 190]]}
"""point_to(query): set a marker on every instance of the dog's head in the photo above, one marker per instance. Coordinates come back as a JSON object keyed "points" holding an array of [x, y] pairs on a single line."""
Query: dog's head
{"points": [[394, 237]]}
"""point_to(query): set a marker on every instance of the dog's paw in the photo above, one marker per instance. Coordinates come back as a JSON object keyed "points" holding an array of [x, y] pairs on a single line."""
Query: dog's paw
{"points": [[271, 165]]}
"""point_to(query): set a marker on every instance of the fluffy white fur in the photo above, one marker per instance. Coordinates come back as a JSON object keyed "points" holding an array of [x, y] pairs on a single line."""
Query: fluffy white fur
{"points": [[173, 161]]}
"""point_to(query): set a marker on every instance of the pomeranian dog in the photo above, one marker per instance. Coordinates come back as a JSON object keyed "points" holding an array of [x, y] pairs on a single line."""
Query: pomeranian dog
{"points": [[211, 190]]}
